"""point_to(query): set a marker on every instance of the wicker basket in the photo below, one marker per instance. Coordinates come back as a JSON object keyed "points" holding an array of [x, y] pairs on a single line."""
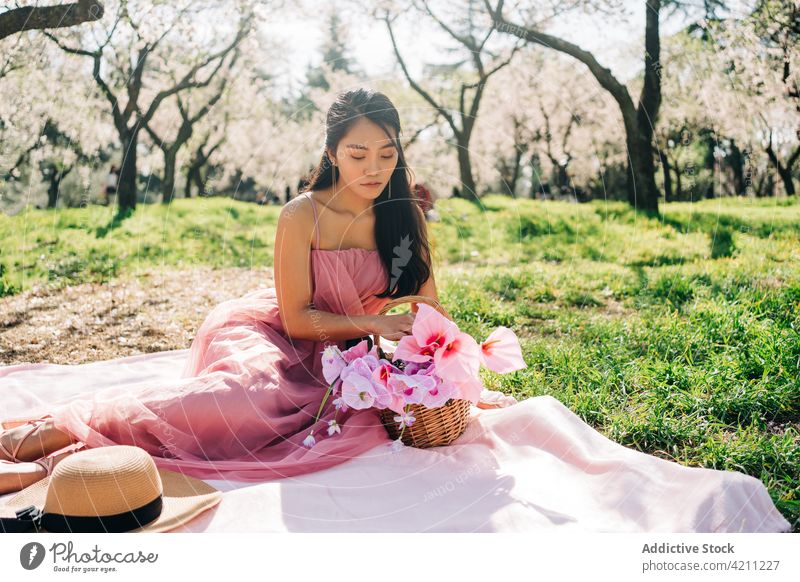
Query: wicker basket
{"points": [[433, 427]]}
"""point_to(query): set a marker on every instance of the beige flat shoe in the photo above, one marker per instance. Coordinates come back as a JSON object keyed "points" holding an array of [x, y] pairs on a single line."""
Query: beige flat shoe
{"points": [[50, 461], [495, 399], [12, 455]]}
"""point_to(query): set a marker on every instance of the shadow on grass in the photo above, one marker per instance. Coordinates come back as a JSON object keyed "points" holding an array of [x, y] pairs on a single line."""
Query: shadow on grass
{"points": [[710, 224], [115, 222]]}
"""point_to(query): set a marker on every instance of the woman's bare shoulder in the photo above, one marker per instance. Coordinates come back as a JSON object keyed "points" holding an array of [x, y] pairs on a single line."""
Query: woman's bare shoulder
{"points": [[297, 216]]}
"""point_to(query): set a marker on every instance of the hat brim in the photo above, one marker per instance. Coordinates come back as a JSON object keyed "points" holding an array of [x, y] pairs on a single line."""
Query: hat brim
{"points": [[184, 498]]}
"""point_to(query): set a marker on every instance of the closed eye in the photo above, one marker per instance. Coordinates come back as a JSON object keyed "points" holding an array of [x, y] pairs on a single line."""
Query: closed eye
{"points": [[384, 157]]}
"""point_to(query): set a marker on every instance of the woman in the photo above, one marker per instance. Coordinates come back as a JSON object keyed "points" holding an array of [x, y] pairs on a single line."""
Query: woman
{"points": [[253, 384]]}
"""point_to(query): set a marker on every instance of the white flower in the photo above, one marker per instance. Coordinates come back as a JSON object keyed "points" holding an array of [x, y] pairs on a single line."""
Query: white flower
{"points": [[397, 445], [405, 418], [333, 427], [333, 363], [339, 404], [310, 441]]}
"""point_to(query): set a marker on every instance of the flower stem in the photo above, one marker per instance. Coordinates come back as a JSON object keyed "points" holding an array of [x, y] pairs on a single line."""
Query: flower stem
{"points": [[403, 424], [324, 400]]}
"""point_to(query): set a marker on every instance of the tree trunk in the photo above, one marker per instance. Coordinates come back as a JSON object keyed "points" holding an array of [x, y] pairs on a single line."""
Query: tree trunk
{"points": [[665, 169], [641, 176], [639, 121], [784, 170], [711, 189], [561, 177], [786, 177], [517, 169], [735, 162], [54, 185], [187, 189], [126, 191], [533, 163], [765, 185], [468, 189], [168, 186], [509, 176]]}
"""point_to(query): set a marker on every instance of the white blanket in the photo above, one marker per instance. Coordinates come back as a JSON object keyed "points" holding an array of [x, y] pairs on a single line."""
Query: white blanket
{"points": [[531, 466]]}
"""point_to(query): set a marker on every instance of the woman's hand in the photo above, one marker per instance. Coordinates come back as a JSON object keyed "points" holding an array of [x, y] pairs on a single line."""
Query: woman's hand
{"points": [[394, 327]]}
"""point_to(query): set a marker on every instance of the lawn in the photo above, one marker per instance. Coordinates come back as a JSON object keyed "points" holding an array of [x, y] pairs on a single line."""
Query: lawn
{"points": [[678, 336]]}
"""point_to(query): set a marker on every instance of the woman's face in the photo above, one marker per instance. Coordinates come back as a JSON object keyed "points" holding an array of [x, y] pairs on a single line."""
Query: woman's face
{"points": [[366, 158]]}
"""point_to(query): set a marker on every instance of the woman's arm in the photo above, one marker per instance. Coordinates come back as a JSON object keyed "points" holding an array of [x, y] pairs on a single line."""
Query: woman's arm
{"points": [[293, 282]]}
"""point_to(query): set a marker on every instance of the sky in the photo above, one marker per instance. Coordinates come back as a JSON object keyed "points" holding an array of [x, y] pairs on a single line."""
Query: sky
{"points": [[617, 43]]}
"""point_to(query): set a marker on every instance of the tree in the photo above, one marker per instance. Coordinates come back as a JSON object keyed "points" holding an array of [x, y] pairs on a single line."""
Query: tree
{"points": [[186, 126], [748, 93], [533, 131], [470, 87], [775, 26], [127, 47], [41, 17], [639, 120], [335, 58], [196, 172], [335, 53], [44, 126]]}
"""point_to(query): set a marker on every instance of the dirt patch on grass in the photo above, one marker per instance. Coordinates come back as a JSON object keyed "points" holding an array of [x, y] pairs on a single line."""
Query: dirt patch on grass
{"points": [[156, 311]]}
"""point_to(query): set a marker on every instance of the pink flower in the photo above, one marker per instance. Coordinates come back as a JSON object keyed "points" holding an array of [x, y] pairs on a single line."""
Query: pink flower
{"points": [[358, 391], [460, 359], [409, 389], [340, 405], [333, 363], [358, 388], [456, 354], [430, 331], [383, 371], [439, 362], [441, 392], [469, 389], [501, 352], [357, 351], [386, 396], [416, 367]]}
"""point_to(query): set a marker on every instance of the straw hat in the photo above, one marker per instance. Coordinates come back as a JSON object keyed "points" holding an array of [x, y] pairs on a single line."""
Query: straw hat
{"points": [[107, 489]]}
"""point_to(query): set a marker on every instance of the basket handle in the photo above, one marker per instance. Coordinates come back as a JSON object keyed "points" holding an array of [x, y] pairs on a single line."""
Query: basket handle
{"points": [[409, 299]]}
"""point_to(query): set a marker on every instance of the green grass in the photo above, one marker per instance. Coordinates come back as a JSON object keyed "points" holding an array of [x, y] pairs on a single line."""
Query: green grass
{"points": [[678, 336], [75, 245]]}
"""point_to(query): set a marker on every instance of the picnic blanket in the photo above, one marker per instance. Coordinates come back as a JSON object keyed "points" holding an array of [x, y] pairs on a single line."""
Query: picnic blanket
{"points": [[530, 466]]}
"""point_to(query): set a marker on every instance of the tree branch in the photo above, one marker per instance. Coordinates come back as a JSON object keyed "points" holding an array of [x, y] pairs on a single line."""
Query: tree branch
{"points": [[602, 74], [423, 93], [119, 120], [188, 81], [41, 17]]}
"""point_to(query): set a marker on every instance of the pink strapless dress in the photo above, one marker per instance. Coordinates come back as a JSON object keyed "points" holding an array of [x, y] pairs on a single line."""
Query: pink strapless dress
{"points": [[248, 394]]}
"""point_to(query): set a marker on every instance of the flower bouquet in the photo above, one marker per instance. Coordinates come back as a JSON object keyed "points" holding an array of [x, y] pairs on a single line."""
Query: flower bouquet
{"points": [[426, 385]]}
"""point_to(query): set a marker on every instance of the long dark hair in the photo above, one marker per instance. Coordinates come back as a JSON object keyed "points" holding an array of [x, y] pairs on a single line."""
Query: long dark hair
{"points": [[399, 232]]}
